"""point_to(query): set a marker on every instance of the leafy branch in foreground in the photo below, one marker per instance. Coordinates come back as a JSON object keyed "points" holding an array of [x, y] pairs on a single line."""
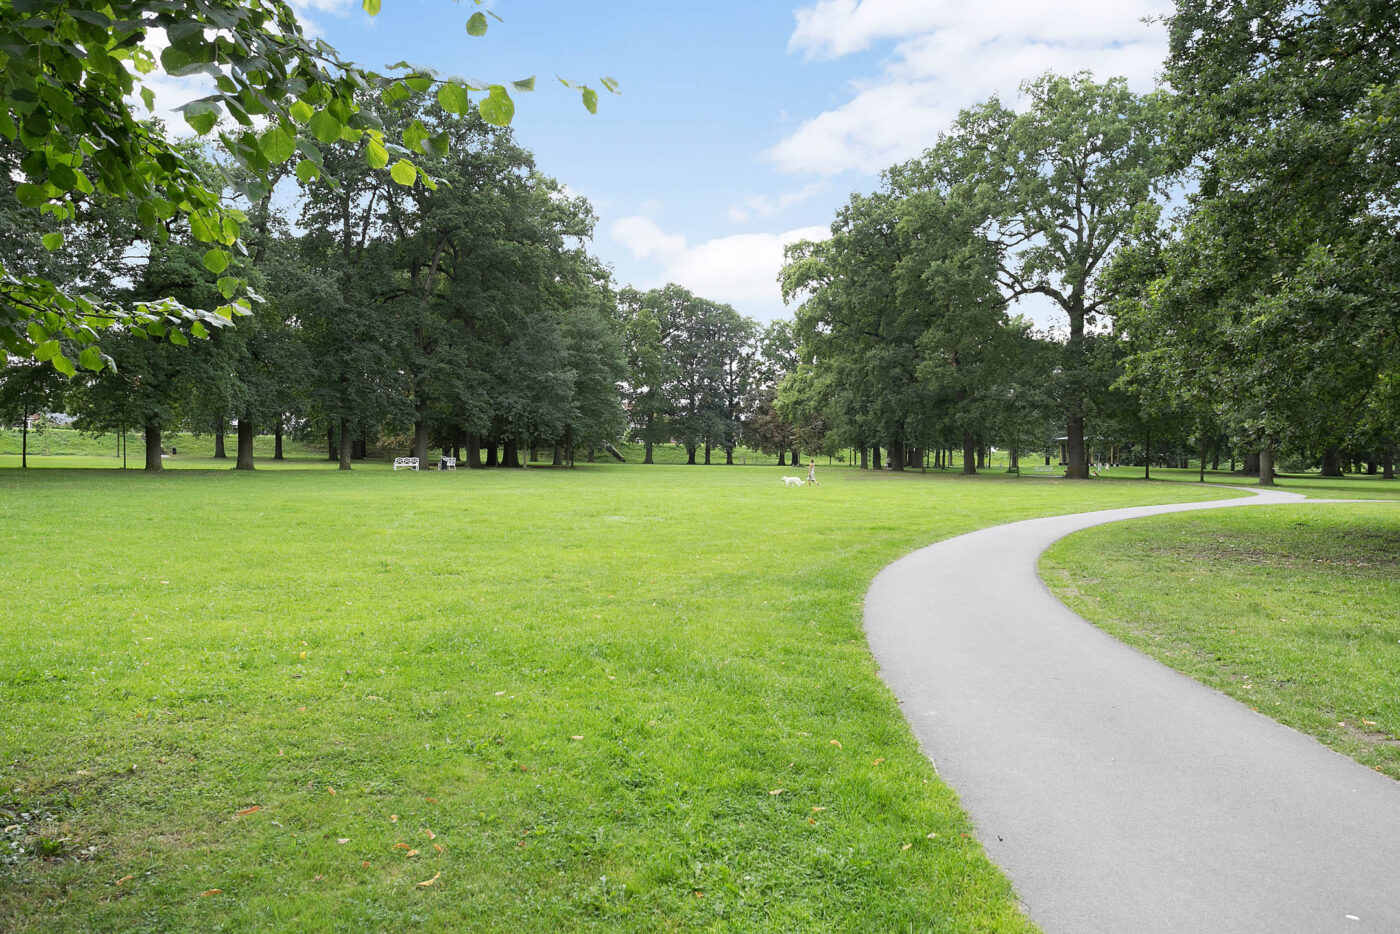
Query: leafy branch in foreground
{"points": [[68, 71]]}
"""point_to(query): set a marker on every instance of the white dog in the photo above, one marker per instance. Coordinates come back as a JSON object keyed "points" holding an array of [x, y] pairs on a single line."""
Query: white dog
{"points": [[792, 481]]}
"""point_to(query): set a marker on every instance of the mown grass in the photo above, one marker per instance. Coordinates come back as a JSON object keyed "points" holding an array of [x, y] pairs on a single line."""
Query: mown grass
{"points": [[1293, 610], [632, 698]]}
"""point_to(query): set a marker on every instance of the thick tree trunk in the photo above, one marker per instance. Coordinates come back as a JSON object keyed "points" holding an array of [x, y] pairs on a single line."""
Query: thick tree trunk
{"points": [[245, 444], [360, 449], [782, 457], [1251, 463], [219, 429], [875, 458], [1147, 457], [969, 453], [1388, 465], [1215, 459], [277, 441], [457, 453], [1013, 463], [1331, 463], [1203, 463], [729, 457], [864, 457], [1078, 466], [1372, 468], [473, 446], [153, 448], [420, 439], [510, 457], [1266, 466], [981, 458], [796, 457], [707, 453], [897, 455], [558, 455], [491, 458], [646, 453], [332, 453], [347, 446], [690, 454]]}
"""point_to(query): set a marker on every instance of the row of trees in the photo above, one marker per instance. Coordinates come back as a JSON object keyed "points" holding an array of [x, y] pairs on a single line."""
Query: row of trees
{"points": [[1259, 316]]}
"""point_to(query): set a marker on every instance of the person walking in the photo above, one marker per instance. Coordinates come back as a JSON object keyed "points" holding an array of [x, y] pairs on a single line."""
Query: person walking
{"points": [[812, 472]]}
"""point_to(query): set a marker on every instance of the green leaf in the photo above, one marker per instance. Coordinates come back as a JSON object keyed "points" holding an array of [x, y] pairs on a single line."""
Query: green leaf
{"points": [[307, 170], [610, 84], [404, 172], [375, 154], [453, 98], [300, 112], [590, 100], [149, 97], [325, 127], [476, 25], [63, 365], [497, 108], [372, 7], [52, 241], [91, 359], [199, 330], [46, 350], [178, 339], [37, 332], [216, 261], [524, 84], [227, 285], [277, 145], [31, 196], [201, 116]]}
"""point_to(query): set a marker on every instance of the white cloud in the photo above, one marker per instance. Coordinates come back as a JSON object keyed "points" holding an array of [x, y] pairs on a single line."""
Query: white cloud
{"points": [[764, 206], [951, 54], [741, 269]]}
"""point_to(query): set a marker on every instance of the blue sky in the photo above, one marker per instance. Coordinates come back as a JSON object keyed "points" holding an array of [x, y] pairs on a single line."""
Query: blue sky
{"points": [[741, 125]]}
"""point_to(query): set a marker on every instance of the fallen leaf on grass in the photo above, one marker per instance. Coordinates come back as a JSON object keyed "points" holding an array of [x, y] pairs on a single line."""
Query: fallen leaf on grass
{"points": [[933, 836], [124, 879], [877, 761], [500, 693], [431, 835], [1369, 722], [817, 808], [401, 846], [800, 733], [411, 853], [330, 789], [906, 846], [427, 882], [438, 847], [776, 791], [208, 892], [431, 800], [342, 840], [837, 744], [256, 807], [364, 864], [812, 821], [575, 738], [393, 818]]}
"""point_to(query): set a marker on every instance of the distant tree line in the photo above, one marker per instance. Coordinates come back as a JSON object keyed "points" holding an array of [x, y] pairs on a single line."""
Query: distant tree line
{"points": [[1258, 319]]}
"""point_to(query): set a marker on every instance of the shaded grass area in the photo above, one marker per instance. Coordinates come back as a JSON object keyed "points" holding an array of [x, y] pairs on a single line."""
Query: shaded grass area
{"points": [[52, 447], [626, 699], [1312, 486], [1293, 610]]}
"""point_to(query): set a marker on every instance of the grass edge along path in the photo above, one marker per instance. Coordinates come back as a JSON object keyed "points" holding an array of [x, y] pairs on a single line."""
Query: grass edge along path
{"points": [[626, 699], [1292, 610]]}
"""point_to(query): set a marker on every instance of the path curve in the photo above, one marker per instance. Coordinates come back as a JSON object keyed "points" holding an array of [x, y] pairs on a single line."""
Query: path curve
{"points": [[1117, 794]]}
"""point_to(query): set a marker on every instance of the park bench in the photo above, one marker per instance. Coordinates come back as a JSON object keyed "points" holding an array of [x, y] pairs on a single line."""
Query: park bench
{"points": [[1048, 469], [447, 463], [410, 463]]}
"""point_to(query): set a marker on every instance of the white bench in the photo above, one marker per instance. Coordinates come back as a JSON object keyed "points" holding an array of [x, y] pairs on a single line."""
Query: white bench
{"points": [[411, 463], [448, 463], [1044, 469]]}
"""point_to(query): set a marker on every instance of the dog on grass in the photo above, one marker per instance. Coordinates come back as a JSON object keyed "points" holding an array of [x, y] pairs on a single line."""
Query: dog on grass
{"points": [[792, 481]]}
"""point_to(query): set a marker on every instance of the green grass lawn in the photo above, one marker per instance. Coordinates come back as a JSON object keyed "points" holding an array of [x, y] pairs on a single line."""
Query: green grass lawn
{"points": [[1293, 610], [622, 698]]}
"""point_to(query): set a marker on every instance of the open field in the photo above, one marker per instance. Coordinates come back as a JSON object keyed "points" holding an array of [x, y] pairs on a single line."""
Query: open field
{"points": [[367, 657], [1293, 610]]}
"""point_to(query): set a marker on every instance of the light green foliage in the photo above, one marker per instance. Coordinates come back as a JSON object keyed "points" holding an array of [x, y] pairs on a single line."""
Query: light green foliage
{"points": [[431, 653], [1290, 609]]}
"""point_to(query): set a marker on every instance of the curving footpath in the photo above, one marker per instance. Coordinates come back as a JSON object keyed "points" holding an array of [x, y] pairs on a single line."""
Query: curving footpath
{"points": [[1117, 794]]}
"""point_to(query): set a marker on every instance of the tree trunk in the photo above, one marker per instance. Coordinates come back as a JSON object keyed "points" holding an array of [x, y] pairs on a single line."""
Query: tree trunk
{"points": [[1147, 457], [1251, 463], [707, 453], [646, 455], [969, 453], [219, 452], [1215, 458], [420, 439], [1078, 466], [491, 458], [864, 457], [1266, 466], [875, 458], [346, 445], [1331, 463], [1202, 478], [153, 448], [359, 449], [782, 457], [897, 455], [558, 455], [332, 452], [24, 441], [729, 456], [473, 452], [1388, 465], [534, 454], [277, 441], [690, 454], [1013, 461], [510, 457], [245, 444], [1372, 468]]}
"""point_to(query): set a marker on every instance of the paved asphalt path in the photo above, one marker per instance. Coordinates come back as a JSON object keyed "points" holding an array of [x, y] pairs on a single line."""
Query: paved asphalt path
{"points": [[1118, 795]]}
